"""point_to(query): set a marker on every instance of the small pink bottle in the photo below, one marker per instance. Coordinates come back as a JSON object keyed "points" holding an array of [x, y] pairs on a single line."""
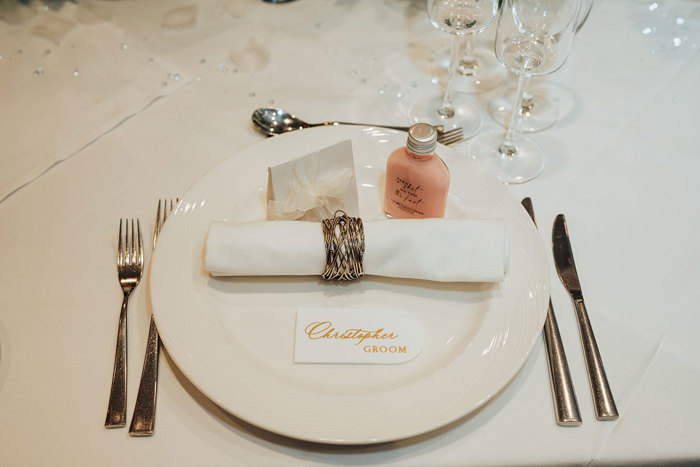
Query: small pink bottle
{"points": [[417, 180]]}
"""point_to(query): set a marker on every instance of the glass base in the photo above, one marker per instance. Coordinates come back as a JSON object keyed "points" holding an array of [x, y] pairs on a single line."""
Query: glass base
{"points": [[526, 164], [538, 114], [481, 74], [466, 114]]}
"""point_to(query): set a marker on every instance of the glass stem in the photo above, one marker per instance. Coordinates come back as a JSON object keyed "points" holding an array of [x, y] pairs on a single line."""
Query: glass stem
{"points": [[467, 63], [526, 105], [446, 110], [507, 147]]}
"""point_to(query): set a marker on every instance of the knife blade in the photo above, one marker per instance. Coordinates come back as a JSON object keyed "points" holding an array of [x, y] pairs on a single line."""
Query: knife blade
{"points": [[563, 394], [603, 400]]}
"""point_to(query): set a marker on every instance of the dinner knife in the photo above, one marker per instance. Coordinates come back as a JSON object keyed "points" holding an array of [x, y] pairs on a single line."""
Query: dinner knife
{"points": [[563, 394], [603, 401]]}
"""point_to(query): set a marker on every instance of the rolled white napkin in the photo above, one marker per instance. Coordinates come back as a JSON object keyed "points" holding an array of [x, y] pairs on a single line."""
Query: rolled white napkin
{"points": [[445, 250]]}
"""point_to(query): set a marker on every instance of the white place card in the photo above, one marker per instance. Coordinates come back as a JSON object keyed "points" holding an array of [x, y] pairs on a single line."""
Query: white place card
{"points": [[313, 187], [357, 335]]}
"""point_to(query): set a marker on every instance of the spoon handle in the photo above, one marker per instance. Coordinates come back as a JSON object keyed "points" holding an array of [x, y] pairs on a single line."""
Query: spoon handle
{"points": [[399, 128]]}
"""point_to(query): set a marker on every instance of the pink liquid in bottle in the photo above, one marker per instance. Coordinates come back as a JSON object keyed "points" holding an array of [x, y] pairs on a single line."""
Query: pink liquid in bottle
{"points": [[417, 180]]}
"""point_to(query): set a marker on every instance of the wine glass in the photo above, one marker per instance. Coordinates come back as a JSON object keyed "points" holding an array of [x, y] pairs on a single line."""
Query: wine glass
{"points": [[538, 111], [533, 38], [459, 18]]}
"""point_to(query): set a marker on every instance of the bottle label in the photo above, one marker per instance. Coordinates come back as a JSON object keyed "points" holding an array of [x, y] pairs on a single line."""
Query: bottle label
{"points": [[407, 197]]}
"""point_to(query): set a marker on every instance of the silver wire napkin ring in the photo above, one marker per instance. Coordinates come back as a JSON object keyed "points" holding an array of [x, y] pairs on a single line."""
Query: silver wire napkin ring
{"points": [[344, 238]]}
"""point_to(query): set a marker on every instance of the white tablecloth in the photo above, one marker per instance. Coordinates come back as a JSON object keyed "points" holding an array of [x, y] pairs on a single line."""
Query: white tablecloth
{"points": [[622, 164]]}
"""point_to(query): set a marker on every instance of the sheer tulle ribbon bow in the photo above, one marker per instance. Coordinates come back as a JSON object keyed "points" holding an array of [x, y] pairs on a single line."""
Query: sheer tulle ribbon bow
{"points": [[310, 198]]}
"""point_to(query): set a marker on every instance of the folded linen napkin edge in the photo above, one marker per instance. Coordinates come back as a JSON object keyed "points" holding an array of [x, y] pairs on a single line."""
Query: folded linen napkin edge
{"points": [[443, 250]]}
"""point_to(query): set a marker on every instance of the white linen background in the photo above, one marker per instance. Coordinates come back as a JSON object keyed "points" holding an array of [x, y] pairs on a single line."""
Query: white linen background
{"points": [[66, 78], [622, 163]]}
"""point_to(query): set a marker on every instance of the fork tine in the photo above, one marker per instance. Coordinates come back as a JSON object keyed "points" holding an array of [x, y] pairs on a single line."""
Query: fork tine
{"points": [[452, 140], [132, 245], [120, 248], [134, 240], [127, 253], [129, 242], [168, 208], [456, 134], [173, 204], [165, 208], [156, 230], [450, 133], [139, 246], [171, 208]]}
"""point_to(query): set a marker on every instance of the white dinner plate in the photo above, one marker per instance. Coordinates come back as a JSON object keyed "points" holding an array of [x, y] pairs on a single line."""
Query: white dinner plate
{"points": [[234, 337]]}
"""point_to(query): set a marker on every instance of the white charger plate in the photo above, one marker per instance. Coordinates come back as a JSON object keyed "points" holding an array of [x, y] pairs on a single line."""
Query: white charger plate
{"points": [[234, 337]]}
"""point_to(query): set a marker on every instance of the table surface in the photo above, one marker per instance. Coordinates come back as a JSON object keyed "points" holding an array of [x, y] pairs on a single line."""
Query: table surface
{"points": [[108, 106]]}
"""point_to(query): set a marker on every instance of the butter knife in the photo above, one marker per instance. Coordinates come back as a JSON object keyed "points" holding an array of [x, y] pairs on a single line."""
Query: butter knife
{"points": [[563, 394], [603, 401]]}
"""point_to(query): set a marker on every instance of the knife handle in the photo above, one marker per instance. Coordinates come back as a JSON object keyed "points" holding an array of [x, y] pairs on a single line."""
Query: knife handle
{"points": [[603, 401], [565, 403]]}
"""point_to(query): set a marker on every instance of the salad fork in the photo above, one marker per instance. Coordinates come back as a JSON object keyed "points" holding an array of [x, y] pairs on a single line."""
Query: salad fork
{"points": [[129, 269], [144, 417]]}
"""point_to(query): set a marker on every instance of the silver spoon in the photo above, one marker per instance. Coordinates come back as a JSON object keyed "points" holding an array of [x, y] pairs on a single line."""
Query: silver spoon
{"points": [[273, 122]]}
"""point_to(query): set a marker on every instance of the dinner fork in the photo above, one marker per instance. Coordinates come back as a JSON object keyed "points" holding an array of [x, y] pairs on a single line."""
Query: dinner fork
{"points": [[144, 417], [129, 269]]}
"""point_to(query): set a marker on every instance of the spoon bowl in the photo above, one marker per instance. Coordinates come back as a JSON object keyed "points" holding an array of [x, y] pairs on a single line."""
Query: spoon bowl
{"points": [[273, 122]]}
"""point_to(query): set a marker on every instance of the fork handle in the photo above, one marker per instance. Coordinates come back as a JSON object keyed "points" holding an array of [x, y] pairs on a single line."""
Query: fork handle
{"points": [[144, 417], [565, 404], [116, 410]]}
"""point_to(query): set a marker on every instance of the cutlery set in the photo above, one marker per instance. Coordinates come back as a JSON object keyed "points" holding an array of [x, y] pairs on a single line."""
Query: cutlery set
{"points": [[130, 263], [273, 122], [130, 268], [566, 406]]}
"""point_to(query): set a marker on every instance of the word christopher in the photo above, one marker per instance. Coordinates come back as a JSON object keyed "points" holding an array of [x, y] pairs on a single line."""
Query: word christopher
{"points": [[325, 330]]}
